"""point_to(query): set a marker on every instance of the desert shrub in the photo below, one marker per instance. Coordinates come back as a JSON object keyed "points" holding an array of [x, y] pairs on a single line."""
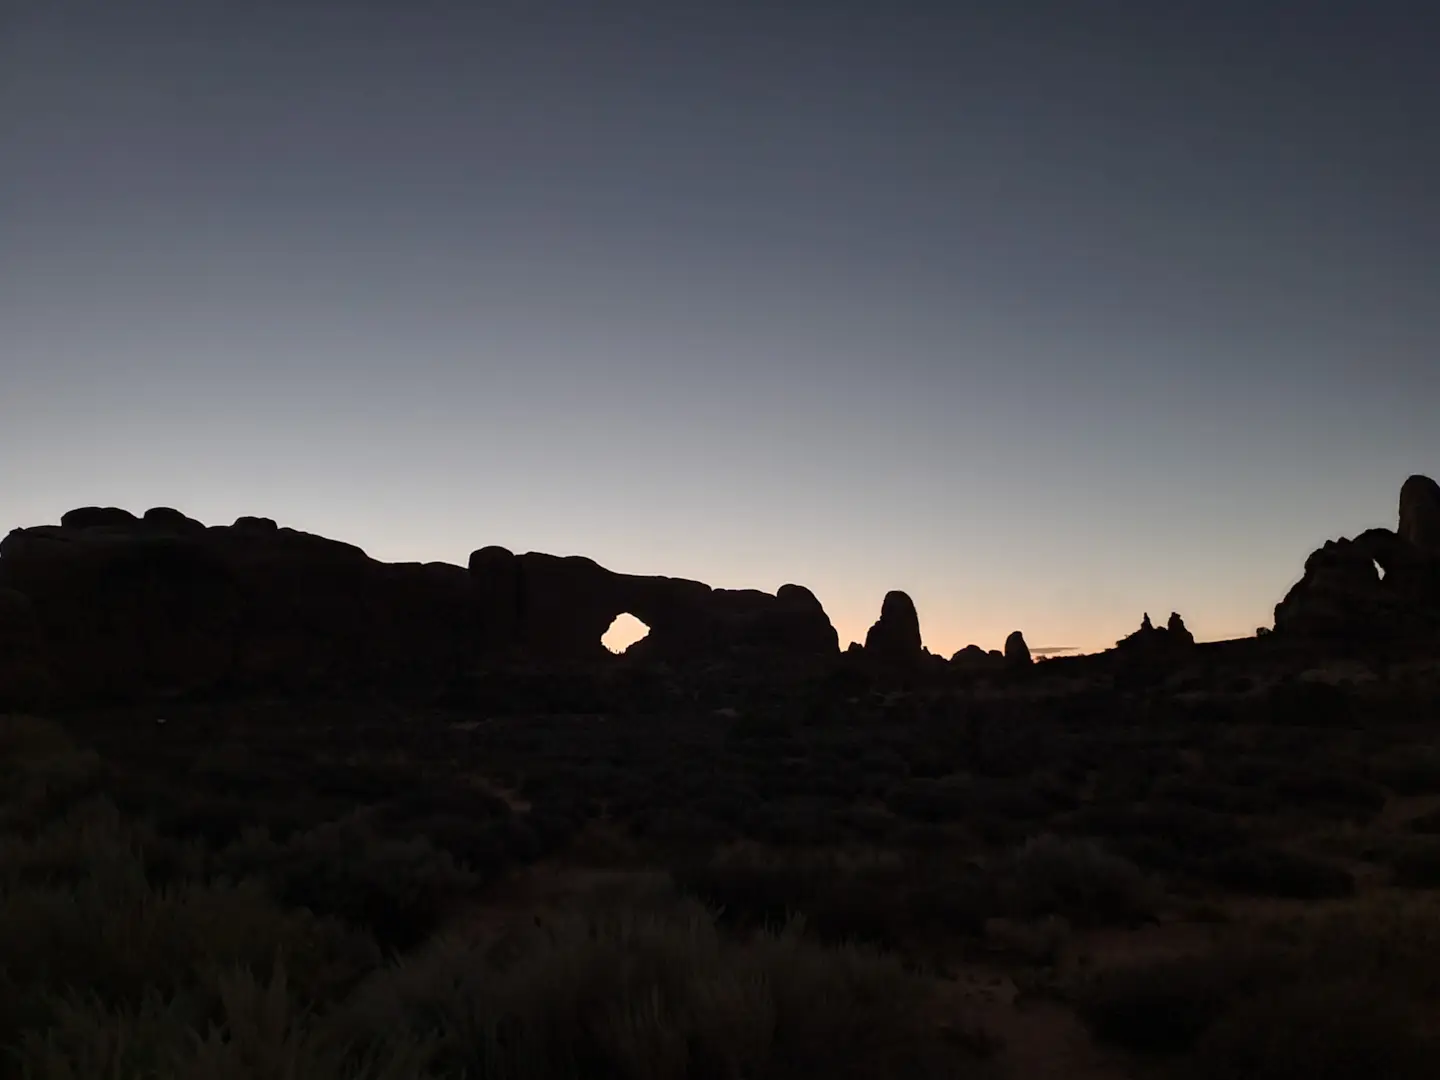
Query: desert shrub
{"points": [[880, 899], [1415, 862], [1074, 878], [794, 823], [43, 771], [235, 768], [181, 808], [1409, 770], [962, 799], [1388, 941], [443, 799], [1163, 1007], [359, 781], [215, 820], [1215, 796], [922, 836], [108, 930], [258, 1029], [950, 898], [868, 824], [92, 836], [762, 728], [1310, 704], [1330, 1031], [659, 995], [1121, 785], [683, 829], [481, 846], [1318, 996], [1271, 871], [756, 888], [398, 890], [1256, 1017], [1319, 791], [1187, 830]]}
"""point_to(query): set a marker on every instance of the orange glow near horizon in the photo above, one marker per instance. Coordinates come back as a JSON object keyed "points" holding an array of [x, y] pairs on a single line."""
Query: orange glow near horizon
{"points": [[624, 631]]}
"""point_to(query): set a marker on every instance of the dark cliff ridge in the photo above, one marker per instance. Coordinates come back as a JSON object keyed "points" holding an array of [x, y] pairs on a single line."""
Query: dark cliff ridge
{"points": [[110, 605]]}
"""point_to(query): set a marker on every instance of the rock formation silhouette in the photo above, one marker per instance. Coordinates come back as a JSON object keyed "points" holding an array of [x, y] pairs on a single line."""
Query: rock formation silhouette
{"points": [[1382, 585], [93, 517], [115, 606], [1420, 513], [1179, 634], [972, 658], [1153, 640], [1017, 653], [109, 605], [894, 639]]}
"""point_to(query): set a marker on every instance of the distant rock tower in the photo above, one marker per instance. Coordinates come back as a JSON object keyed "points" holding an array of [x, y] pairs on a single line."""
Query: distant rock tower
{"points": [[895, 637], [1017, 652], [1420, 513], [1179, 633]]}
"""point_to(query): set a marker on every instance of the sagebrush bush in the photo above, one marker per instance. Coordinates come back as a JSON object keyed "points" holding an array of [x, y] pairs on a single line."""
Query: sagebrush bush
{"points": [[1310, 705], [399, 890], [259, 1030], [1330, 792], [1414, 862], [106, 930], [1319, 996], [43, 772], [1074, 878], [1271, 871], [1164, 1007], [1329, 1031], [1408, 770], [661, 994]]}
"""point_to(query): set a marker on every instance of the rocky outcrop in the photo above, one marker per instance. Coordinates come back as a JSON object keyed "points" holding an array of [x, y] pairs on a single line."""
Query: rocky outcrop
{"points": [[974, 658], [1420, 513], [1379, 586], [97, 517], [559, 608], [119, 606], [1374, 587], [1017, 653], [1179, 633], [1151, 640], [17, 619], [167, 519], [894, 639]]}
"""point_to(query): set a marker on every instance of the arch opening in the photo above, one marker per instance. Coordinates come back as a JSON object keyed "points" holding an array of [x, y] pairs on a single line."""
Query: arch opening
{"points": [[1379, 570], [625, 630]]}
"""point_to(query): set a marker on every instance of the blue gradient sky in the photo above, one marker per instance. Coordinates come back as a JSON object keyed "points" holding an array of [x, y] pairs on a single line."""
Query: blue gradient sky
{"points": [[1049, 314]]}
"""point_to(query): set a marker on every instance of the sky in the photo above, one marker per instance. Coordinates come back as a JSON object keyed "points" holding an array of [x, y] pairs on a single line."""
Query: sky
{"points": [[1049, 314]]}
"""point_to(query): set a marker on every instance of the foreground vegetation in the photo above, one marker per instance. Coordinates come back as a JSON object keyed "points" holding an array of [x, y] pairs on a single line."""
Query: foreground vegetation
{"points": [[781, 885], [127, 953]]}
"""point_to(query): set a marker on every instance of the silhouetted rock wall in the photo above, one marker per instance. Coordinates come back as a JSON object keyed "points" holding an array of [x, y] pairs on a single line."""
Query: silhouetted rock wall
{"points": [[114, 606]]}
